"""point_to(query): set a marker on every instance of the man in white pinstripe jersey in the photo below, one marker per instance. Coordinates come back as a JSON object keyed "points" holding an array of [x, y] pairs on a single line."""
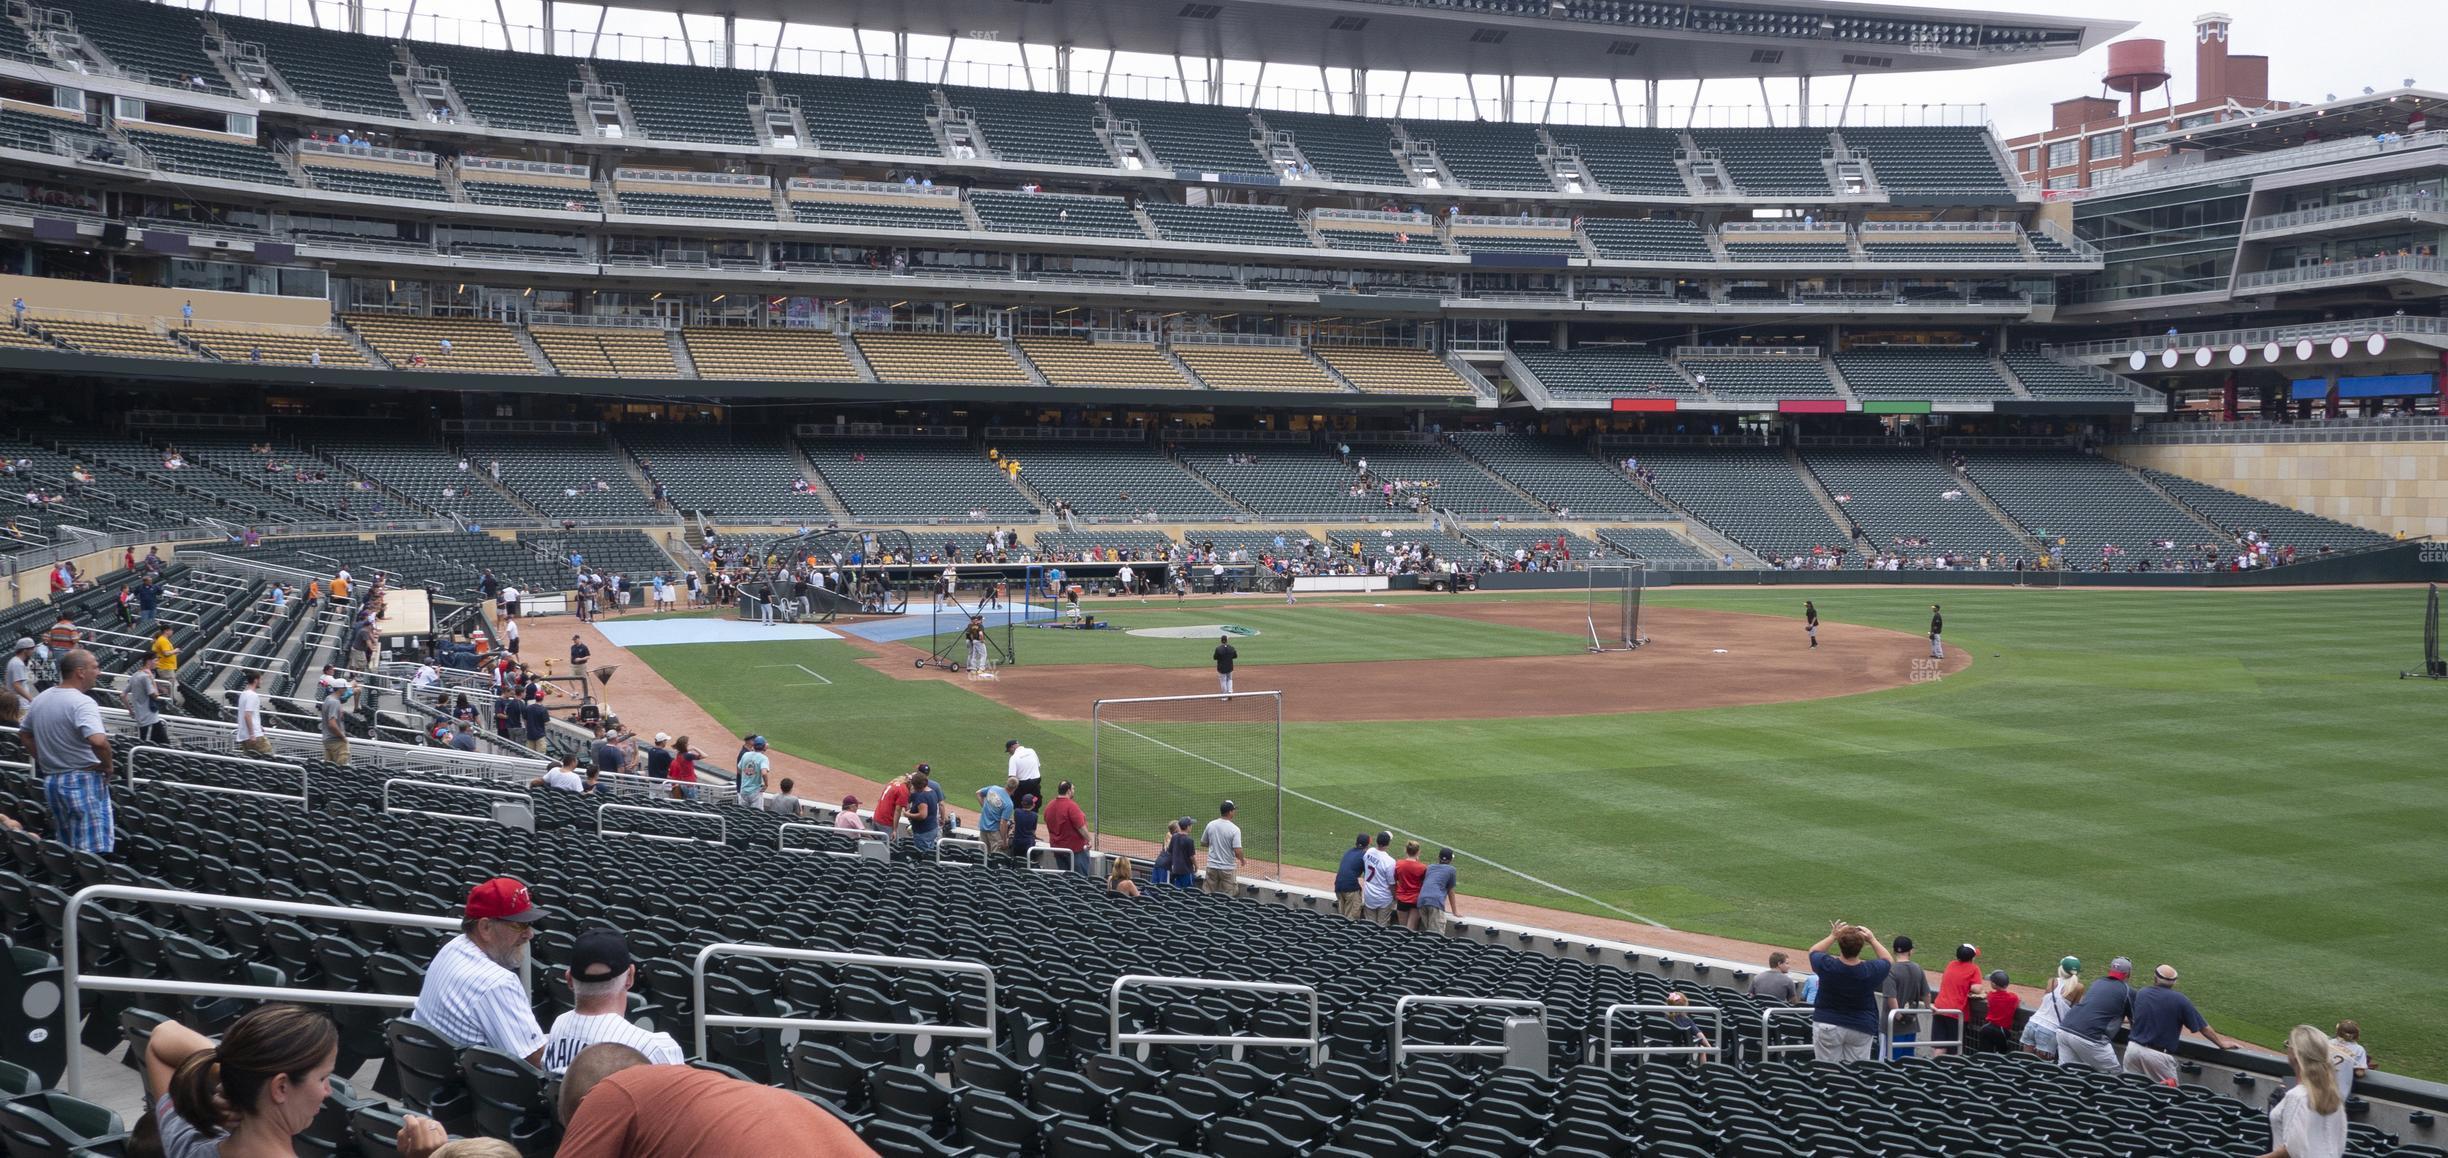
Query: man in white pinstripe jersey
{"points": [[474, 993]]}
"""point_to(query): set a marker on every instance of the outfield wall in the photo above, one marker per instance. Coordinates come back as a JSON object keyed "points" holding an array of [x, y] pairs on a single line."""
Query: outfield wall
{"points": [[2392, 563], [2390, 487]]}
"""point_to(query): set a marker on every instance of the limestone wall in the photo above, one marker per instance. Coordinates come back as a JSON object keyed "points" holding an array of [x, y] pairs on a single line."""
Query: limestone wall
{"points": [[2390, 487]]}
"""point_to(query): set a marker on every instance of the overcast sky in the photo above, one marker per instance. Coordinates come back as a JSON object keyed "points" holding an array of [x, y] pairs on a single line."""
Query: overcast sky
{"points": [[2329, 46]]}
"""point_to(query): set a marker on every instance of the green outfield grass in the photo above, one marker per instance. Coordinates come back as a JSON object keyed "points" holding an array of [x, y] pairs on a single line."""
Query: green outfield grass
{"points": [[2233, 782], [1320, 632]]}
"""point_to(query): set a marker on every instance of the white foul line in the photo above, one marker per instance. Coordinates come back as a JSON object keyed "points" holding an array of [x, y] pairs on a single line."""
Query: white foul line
{"points": [[817, 676], [1379, 824]]}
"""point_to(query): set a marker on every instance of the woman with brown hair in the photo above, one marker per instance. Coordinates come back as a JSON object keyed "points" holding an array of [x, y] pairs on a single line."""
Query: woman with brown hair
{"points": [[1120, 879], [249, 1095], [2310, 1121]]}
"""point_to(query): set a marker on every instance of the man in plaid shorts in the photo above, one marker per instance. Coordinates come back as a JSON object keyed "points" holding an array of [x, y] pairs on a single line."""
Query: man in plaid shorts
{"points": [[72, 753]]}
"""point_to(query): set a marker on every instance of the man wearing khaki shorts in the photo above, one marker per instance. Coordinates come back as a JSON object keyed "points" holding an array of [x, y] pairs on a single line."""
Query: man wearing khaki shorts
{"points": [[251, 735], [1436, 902], [335, 722], [1347, 877], [1223, 840]]}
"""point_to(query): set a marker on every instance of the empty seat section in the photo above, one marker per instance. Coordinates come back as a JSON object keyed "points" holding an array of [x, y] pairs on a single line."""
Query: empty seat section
{"points": [[2046, 377], [1421, 239], [2089, 502], [1740, 248], [253, 496], [1647, 239], [1037, 128], [2282, 526], [114, 338], [229, 159], [1562, 475], [559, 474], [1771, 162], [1451, 482], [1256, 368], [412, 343], [164, 46], [1899, 498], [372, 179], [779, 355], [1389, 370], [1919, 374], [736, 203], [1495, 239], [1934, 251], [520, 91], [862, 116], [2051, 249], [1937, 161], [1056, 213], [915, 479], [1195, 138], [729, 472], [880, 210], [34, 131], [941, 358], [1632, 162], [1114, 480], [673, 102], [1354, 150], [276, 347], [331, 70], [607, 353], [1486, 154], [1761, 379], [1751, 495], [1228, 224], [1283, 479], [1606, 372], [1069, 361], [410, 464], [1658, 548]]}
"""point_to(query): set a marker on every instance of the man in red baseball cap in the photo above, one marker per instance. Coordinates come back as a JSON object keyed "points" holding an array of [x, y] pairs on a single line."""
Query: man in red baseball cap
{"points": [[474, 993]]}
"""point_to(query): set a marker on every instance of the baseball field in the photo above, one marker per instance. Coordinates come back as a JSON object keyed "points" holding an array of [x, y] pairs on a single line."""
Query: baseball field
{"points": [[2234, 782]]}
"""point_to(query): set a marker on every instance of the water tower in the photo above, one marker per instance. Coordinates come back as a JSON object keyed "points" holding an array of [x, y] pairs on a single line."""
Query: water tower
{"points": [[2136, 67]]}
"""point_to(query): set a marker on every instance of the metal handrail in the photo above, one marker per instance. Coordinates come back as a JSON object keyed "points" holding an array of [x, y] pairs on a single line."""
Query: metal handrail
{"points": [[705, 1021], [73, 978], [2353, 211], [1925, 1022], [1115, 1039], [1767, 1019], [782, 839], [722, 826], [1608, 1051], [445, 786], [1405, 1002], [303, 775]]}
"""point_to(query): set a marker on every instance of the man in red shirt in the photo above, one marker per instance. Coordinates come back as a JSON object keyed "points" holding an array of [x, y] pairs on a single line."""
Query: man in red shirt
{"points": [[895, 801], [1997, 1030], [1408, 873], [1067, 827], [1955, 994]]}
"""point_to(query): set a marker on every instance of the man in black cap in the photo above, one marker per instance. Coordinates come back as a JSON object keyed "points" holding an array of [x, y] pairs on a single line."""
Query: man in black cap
{"points": [[600, 976]]}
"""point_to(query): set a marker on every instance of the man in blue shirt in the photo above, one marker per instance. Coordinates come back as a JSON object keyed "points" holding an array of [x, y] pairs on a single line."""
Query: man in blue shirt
{"points": [[2085, 1035], [1437, 891], [925, 811], [1844, 1011], [1347, 877], [2160, 1016], [994, 817]]}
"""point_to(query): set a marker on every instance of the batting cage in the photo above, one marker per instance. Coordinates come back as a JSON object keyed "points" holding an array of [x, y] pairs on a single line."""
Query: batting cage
{"points": [[2433, 667], [1155, 760], [1614, 605]]}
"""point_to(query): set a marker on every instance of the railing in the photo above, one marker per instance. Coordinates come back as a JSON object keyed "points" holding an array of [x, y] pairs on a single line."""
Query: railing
{"points": [[2065, 237], [782, 839], [1329, 216], [603, 321], [135, 755], [626, 175], [705, 1021], [2122, 181], [1925, 1031], [1767, 1038], [2008, 228], [2334, 271], [1810, 352], [874, 188], [73, 979], [492, 815], [1608, 1051], [722, 827], [373, 152], [1409, 1001], [2412, 428], [517, 165], [2262, 336], [2376, 207], [1833, 228], [1500, 221], [1115, 1039]]}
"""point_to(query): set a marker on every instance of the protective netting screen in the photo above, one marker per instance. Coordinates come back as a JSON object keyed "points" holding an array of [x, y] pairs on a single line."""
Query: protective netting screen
{"points": [[1160, 759], [1614, 607], [2431, 652]]}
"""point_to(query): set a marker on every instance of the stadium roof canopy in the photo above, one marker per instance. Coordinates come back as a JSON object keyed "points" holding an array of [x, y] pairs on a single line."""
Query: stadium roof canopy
{"points": [[2369, 115], [1612, 39]]}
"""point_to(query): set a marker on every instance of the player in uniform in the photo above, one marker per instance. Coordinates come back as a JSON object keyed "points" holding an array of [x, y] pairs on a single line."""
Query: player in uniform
{"points": [[975, 633], [1225, 655], [1937, 625], [1810, 621]]}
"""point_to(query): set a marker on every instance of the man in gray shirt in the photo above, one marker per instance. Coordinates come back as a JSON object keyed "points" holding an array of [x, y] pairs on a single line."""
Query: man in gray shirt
{"points": [[72, 754], [785, 801], [144, 705], [335, 721], [20, 678], [1776, 984]]}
